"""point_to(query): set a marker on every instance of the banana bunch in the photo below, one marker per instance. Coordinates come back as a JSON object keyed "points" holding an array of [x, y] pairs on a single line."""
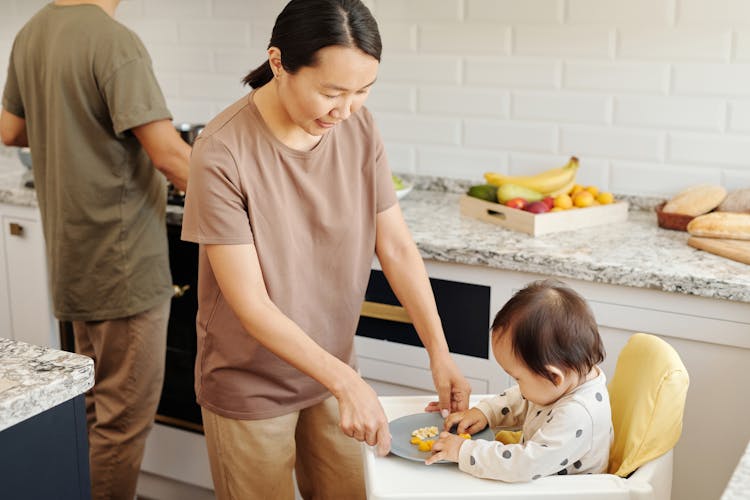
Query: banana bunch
{"points": [[551, 182]]}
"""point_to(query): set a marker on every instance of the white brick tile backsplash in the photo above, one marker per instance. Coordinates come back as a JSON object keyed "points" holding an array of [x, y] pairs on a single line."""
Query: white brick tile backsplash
{"points": [[418, 129], [735, 179], [466, 39], [182, 9], [512, 72], [620, 76], [742, 46], [712, 79], [653, 179], [739, 117], [155, 31], [514, 11], [510, 136], [671, 112], [460, 163], [721, 12], [648, 12], [418, 10], [689, 43], [710, 150], [593, 41], [398, 98], [421, 69], [652, 95], [612, 143], [400, 157], [561, 107], [463, 101], [398, 37], [219, 88], [214, 33]]}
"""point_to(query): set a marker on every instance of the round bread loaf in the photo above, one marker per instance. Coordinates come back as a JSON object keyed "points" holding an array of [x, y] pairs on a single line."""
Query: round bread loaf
{"points": [[736, 201], [696, 200]]}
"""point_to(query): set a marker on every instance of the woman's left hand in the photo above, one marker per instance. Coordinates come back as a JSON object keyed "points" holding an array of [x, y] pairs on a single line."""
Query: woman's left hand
{"points": [[452, 388], [446, 448]]}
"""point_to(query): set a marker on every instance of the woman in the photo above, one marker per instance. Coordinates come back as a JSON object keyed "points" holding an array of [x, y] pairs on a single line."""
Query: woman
{"points": [[290, 197]]}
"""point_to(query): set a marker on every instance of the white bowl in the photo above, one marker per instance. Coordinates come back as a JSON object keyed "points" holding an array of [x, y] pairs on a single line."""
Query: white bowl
{"points": [[400, 193]]}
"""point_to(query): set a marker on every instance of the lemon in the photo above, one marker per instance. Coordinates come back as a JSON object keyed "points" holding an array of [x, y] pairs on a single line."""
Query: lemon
{"points": [[605, 198], [563, 202], [583, 199], [577, 188], [593, 190]]}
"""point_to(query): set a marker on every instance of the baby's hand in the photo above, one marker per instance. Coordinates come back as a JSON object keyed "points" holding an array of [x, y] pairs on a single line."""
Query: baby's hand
{"points": [[471, 421], [446, 448]]}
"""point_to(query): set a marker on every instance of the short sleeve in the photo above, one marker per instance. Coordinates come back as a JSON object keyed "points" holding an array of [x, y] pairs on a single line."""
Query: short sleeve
{"points": [[216, 208], [12, 101], [386, 195], [133, 94]]}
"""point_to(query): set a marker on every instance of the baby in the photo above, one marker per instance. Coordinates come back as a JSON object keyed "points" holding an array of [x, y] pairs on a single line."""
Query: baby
{"points": [[546, 338]]}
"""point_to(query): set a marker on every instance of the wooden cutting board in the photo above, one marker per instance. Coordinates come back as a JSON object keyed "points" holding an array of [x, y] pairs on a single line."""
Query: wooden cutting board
{"points": [[738, 250]]}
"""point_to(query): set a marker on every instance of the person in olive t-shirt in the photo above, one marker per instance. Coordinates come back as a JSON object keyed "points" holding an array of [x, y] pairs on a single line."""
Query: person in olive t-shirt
{"points": [[82, 94]]}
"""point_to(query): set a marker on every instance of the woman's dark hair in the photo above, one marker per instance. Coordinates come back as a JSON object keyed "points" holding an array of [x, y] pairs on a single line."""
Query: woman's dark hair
{"points": [[550, 324], [306, 26]]}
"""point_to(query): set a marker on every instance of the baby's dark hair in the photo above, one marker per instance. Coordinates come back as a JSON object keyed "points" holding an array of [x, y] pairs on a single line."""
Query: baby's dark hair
{"points": [[550, 324]]}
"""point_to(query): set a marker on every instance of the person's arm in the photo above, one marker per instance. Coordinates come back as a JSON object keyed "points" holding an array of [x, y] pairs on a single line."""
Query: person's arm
{"points": [[407, 276], [240, 278], [168, 152], [13, 129]]}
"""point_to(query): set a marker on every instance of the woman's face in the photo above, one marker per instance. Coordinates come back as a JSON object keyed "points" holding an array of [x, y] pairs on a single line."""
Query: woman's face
{"points": [[317, 98], [534, 387]]}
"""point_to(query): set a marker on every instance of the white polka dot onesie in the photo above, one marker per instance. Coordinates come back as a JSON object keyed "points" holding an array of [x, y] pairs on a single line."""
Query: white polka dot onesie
{"points": [[570, 436]]}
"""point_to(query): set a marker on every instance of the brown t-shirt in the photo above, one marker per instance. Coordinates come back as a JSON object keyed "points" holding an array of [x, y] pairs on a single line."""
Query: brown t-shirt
{"points": [[82, 80], [311, 216]]}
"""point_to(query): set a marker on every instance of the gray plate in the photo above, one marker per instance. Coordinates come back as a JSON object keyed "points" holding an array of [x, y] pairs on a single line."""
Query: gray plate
{"points": [[401, 429]]}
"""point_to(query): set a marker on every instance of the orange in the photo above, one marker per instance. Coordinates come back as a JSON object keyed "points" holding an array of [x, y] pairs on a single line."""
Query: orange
{"points": [[583, 199], [577, 188], [563, 202], [593, 190], [605, 198]]}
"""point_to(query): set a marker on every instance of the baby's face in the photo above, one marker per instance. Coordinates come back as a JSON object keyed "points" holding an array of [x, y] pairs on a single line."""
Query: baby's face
{"points": [[534, 387]]}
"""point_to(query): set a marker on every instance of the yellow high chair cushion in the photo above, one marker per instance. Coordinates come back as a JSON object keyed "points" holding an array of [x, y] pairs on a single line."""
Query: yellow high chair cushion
{"points": [[647, 394]]}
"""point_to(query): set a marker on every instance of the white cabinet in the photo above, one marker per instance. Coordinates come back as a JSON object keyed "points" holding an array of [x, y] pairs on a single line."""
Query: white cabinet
{"points": [[25, 306], [712, 337]]}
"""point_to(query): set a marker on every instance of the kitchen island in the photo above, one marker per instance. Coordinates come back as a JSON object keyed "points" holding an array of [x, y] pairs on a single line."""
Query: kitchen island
{"points": [[43, 443]]}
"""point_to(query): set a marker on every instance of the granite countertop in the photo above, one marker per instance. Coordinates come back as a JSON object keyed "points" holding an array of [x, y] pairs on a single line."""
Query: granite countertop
{"points": [[739, 485], [34, 379], [635, 253]]}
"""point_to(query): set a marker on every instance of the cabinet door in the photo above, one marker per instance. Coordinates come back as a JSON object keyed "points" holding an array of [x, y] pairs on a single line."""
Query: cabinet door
{"points": [[28, 297]]}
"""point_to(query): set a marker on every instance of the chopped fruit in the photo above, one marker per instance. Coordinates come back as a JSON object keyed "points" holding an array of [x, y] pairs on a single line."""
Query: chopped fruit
{"points": [[465, 435], [426, 445], [415, 440]]}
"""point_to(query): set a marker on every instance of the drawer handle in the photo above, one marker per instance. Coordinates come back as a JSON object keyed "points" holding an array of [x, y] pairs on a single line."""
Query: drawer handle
{"points": [[386, 312], [16, 229], [179, 291]]}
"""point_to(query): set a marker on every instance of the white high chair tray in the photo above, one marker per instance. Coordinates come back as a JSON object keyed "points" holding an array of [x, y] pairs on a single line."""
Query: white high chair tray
{"points": [[392, 477]]}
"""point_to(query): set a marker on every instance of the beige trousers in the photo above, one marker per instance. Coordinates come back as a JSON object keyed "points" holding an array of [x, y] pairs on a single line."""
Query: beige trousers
{"points": [[254, 459], [128, 358]]}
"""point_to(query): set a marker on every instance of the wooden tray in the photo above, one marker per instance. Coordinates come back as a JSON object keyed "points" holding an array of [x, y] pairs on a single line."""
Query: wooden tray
{"points": [[550, 222]]}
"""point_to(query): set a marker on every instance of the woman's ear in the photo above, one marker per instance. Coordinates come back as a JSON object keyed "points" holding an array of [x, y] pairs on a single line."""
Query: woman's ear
{"points": [[558, 376], [274, 59]]}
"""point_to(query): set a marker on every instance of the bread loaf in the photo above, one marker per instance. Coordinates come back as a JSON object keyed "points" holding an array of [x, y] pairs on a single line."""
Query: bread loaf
{"points": [[696, 200], [721, 225], [736, 201]]}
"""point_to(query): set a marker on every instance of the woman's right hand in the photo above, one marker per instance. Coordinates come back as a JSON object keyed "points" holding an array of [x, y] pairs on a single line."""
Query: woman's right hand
{"points": [[471, 421], [361, 415]]}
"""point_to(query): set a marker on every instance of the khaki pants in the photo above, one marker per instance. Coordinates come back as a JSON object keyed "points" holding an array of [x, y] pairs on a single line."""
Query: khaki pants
{"points": [[128, 358], [254, 459]]}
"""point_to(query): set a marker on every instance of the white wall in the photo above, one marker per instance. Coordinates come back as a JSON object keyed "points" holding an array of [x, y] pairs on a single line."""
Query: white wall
{"points": [[652, 95]]}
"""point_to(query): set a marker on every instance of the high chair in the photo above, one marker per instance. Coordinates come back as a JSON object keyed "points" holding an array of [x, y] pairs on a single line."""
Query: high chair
{"points": [[647, 394]]}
